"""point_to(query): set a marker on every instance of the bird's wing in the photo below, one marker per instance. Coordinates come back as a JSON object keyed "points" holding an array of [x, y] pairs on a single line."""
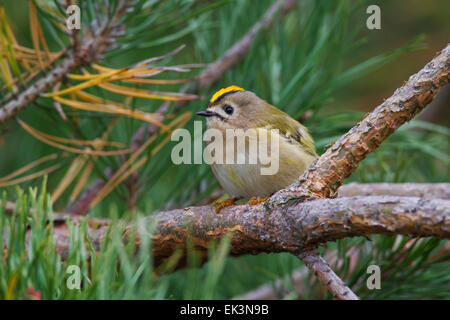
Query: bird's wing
{"points": [[291, 129]]}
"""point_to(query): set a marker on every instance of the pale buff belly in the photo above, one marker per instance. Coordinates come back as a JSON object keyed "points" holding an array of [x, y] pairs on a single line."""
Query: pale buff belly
{"points": [[246, 180]]}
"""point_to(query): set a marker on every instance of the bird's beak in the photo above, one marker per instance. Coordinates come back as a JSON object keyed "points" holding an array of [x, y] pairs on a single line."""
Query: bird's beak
{"points": [[206, 113]]}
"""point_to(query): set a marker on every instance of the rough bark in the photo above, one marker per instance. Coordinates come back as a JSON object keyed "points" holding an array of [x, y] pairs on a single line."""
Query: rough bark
{"points": [[324, 177], [296, 228], [27, 97]]}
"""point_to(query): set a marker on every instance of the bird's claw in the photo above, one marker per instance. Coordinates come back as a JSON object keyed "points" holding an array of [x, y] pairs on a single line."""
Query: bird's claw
{"points": [[222, 204], [257, 200]]}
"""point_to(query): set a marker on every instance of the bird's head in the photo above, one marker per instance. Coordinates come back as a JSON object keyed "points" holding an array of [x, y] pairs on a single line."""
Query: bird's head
{"points": [[233, 107]]}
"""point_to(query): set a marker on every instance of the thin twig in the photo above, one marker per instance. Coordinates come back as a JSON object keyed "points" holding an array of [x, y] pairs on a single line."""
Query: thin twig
{"points": [[278, 289], [326, 275], [296, 282], [239, 50]]}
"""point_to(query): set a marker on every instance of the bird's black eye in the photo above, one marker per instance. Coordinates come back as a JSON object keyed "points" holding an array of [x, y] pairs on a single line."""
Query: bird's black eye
{"points": [[228, 109]]}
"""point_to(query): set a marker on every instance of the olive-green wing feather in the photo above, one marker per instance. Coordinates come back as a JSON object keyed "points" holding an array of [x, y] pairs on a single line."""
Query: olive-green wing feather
{"points": [[289, 128]]}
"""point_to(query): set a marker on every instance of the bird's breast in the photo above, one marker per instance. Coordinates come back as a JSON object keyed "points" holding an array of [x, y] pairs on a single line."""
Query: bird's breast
{"points": [[276, 164]]}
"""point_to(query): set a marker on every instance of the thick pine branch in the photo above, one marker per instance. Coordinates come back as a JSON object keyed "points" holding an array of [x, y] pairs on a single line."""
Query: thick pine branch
{"points": [[287, 223], [324, 177], [294, 229]]}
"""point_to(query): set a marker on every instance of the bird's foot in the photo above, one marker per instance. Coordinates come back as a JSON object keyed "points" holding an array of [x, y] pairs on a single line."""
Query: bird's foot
{"points": [[257, 200], [222, 204]]}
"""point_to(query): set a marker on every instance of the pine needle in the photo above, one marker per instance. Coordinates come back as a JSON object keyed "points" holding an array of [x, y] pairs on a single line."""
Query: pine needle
{"points": [[87, 84], [31, 176], [40, 136], [14, 43], [29, 166], [70, 175], [146, 94], [122, 173], [115, 109], [90, 165], [34, 25], [82, 181]]}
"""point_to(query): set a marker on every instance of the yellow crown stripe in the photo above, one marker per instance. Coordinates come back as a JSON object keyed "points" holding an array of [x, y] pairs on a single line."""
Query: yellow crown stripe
{"points": [[222, 91]]}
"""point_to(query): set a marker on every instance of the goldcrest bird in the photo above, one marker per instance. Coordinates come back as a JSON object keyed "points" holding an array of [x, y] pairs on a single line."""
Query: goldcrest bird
{"points": [[236, 108]]}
